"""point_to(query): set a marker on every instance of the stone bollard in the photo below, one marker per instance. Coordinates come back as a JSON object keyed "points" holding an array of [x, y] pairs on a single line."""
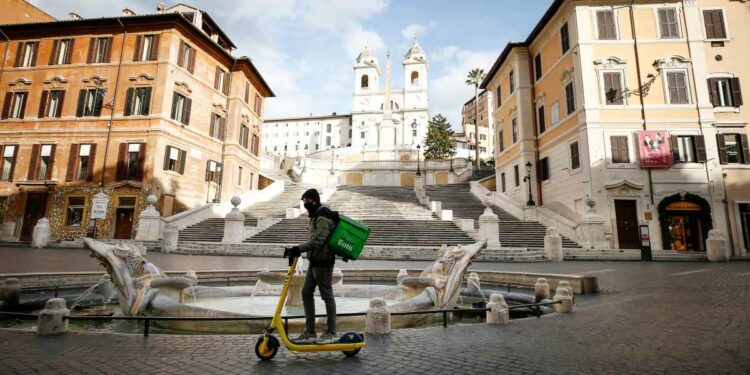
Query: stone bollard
{"points": [[716, 246], [170, 238], [541, 289], [10, 293], [401, 274], [436, 207], [563, 293], [52, 319], [498, 313], [466, 225], [40, 236], [149, 222], [553, 245], [292, 213], [378, 318], [472, 284], [489, 229], [234, 224], [446, 215], [336, 274]]}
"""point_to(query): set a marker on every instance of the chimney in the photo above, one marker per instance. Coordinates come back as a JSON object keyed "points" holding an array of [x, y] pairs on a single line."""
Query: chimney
{"points": [[75, 16], [127, 12], [334, 114]]}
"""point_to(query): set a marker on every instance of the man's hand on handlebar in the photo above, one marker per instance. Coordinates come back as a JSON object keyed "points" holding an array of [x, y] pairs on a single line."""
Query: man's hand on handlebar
{"points": [[292, 253]]}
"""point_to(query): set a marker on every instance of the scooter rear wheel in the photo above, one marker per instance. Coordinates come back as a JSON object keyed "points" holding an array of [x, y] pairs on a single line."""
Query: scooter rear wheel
{"points": [[351, 353], [268, 351]]}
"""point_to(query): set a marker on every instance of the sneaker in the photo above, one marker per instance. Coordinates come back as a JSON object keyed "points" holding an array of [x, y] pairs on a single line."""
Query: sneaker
{"points": [[327, 338], [306, 338]]}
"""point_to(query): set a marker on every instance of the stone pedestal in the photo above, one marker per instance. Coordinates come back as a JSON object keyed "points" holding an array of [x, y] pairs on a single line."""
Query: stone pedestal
{"points": [[488, 229], [10, 293], [472, 284], [717, 247], [591, 230], [40, 236], [401, 274], [292, 213], [378, 320], [52, 319], [564, 293], [553, 245], [149, 222], [436, 207], [446, 215], [169, 239], [466, 225], [234, 224], [541, 289], [7, 230], [338, 275], [498, 313]]}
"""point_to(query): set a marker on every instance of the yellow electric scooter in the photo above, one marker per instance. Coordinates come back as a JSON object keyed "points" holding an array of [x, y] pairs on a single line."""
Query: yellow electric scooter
{"points": [[267, 345]]}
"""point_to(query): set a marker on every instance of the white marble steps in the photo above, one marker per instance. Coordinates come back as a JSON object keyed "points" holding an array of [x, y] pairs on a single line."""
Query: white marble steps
{"points": [[632, 254]]}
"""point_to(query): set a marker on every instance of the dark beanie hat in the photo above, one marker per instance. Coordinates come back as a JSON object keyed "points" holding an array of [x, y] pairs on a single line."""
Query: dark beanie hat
{"points": [[311, 194]]}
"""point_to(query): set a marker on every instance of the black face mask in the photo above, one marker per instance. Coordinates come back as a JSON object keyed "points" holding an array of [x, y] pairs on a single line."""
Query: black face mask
{"points": [[311, 207]]}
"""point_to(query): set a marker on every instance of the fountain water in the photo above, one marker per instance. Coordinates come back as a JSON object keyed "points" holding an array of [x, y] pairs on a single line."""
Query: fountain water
{"points": [[88, 292]]}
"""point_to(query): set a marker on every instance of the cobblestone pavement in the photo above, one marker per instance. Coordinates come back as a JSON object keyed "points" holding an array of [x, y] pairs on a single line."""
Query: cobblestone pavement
{"points": [[686, 318]]}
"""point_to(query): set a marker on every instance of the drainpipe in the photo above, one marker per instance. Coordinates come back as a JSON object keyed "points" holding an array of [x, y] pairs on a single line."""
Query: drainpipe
{"points": [[114, 102], [217, 198]]}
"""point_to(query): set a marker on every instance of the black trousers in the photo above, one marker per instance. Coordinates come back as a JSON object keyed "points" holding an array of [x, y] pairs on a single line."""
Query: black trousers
{"points": [[319, 277]]}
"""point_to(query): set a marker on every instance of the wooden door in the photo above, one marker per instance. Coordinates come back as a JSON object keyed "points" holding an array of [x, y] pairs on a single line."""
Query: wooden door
{"points": [[627, 224], [124, 223], [36, 206]]}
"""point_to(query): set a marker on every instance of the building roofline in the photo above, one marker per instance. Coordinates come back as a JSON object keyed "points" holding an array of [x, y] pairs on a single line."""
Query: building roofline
{"points": [[281, 119], [484, 91]]}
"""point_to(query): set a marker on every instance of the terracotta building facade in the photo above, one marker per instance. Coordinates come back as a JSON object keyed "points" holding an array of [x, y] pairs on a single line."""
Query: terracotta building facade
{"points": [[123, 107]]}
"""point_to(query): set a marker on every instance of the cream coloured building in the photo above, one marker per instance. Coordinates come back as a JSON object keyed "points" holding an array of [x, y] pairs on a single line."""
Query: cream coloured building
{"points": [[300, 136]]}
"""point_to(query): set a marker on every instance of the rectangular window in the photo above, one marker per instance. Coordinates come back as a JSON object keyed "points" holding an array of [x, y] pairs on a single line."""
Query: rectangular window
{"points": [[554, 113], [45, 162], [137, 101], [84, 164], [247, 92], [133, 160], [612, 88], [61, 52], [564, 38], [328, 141], [9, 162], [328, 128], [575, 157], [146, 48], [239, 176], [221, 81], [255, 146], [540, 119], [502, 182], [483, 137], [605, 22], [500, 141], [725, 92], [688, 149], [514, 130], [538, 66], [26, 54], [51, 103], [90, 102], [733, 148], [544, 169], [668, 26], [512, 82], [619, 147], [212, 171], [181, 108], [217, 127], [186, 57], [570, 98], [516, 176], [15, 105], [714, 22], [257, 104], [677, 88], [174, 160], [99, 50], [244, 135], [362, 135], [499, 95], [74, 212]]}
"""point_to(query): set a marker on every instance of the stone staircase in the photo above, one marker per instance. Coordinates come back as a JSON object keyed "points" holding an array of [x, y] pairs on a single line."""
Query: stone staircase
{"points": [[513, 232], [479, 174], [633, 254]]}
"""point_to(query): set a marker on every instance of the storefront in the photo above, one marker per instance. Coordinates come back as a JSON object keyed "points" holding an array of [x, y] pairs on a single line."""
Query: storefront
{"points": [[685, 221]]}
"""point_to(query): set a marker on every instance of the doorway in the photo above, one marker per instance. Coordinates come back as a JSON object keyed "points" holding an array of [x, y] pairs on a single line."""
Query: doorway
{"points": [[744, 210], [626, 215], [124, 215], [36, 207]]}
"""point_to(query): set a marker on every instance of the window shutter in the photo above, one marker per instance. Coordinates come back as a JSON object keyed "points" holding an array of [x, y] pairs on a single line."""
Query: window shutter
{"points": [[225, 88], [137, 49], [174, 106], [188, 104], [141, 162], [601, 25], [34, 53], [43, 104], [92, 162], [6, 104], [15, 159], [72, 162], [122, 155], [714, 91], [182, 161], [92, 45], [743, 140], [19, 54], [129, 101], [33, 162], [222, 128], [147, 102], [736, 91], [181, 54], [674, 148], [663, 27], [166, 158], [51, 161], [191, 66], [69, 52], [208, 171], [108, 54], [700, 149], [60, 103], [718, 23], [99, 101], [81, 102], [154, 54], [722, 148], [216, 78], [54, 52], [24, 99]]}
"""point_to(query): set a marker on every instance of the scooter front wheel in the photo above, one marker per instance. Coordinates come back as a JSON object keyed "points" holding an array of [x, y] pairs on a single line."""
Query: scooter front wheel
{"points": [[351, 353], [266, 351]]}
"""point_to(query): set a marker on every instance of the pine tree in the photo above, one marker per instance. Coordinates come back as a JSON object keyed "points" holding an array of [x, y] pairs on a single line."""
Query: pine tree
{"points": [[440, 143]]}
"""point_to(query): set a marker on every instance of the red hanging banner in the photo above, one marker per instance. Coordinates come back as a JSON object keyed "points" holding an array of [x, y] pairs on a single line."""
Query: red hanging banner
{"points": [[653, 148]]}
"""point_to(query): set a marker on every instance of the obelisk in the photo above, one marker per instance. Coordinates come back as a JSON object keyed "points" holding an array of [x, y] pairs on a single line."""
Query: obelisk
{"points": [[387, 129]]}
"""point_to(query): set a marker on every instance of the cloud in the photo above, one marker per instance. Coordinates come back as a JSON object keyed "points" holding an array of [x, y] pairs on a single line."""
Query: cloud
{"points": [[357, 37], [412, 31]]}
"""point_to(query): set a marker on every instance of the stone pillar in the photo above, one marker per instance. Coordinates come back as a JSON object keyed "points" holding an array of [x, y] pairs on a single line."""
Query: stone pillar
{"points": [[7, 230], [446, 215], [149, 222], [52, 319], [10, 293], [336, 275], [563, 293], [401, 274], [234, 224], [488, 229], [591, 228], [717, 247], [436, 207], [498, 313], [378, 320], [169, 239], [292, 213], [553, 245], [466, 225], [472, 284], [541, 289], [40, 236]]}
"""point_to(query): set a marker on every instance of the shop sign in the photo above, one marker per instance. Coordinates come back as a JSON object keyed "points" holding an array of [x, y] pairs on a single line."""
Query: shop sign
{"points": [[683, 206], [653, 149], [99, 206], [648, 215]]}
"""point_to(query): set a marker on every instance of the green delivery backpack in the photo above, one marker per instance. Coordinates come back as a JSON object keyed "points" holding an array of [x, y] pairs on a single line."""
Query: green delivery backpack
{"points": [[349, 237]]}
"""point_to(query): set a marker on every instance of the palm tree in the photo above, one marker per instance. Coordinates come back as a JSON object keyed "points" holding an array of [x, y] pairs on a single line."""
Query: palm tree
{"points": [[475, 77]]}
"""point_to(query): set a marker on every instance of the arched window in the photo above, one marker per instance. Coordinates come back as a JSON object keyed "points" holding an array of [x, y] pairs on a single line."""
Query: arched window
{"points": [[415, 78], [328, 141], [365, 82]]}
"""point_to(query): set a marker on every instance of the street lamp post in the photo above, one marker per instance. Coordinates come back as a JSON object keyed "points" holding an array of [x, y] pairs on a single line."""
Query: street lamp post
{"points": [[527, 178], [419, 172], [333, 148]]}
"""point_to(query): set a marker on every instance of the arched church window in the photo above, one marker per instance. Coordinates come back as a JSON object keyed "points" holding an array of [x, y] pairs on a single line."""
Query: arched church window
{"points": [[415, 78], [365, 82]]}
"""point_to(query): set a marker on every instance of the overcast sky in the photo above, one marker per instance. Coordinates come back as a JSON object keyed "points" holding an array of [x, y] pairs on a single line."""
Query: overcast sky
{"points": [[305, 49]]}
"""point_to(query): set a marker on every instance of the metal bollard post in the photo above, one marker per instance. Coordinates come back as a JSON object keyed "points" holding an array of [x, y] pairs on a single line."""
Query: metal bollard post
{"points": [[286, 325], [445, 319], [145, 328]]}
